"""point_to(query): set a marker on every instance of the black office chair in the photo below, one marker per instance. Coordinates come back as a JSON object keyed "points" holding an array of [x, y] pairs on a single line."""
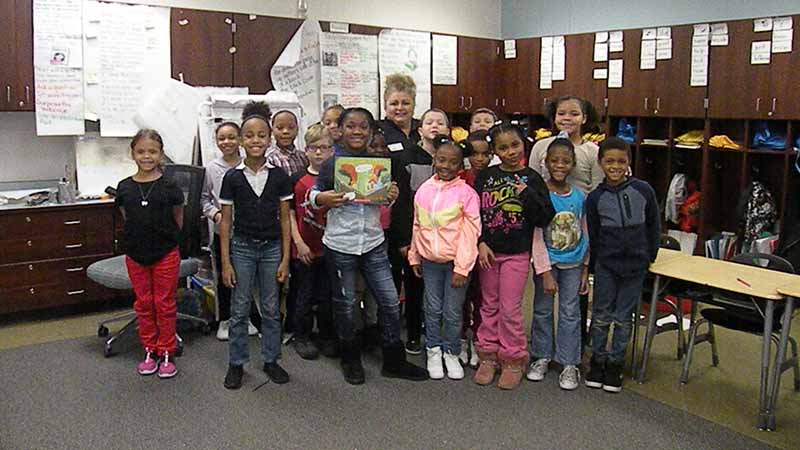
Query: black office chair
{"points": [[113, 273], [743, 313]]}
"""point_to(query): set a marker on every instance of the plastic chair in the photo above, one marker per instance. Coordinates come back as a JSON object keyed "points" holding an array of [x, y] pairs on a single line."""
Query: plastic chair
{"points": [[743, 313], [112, 273]]}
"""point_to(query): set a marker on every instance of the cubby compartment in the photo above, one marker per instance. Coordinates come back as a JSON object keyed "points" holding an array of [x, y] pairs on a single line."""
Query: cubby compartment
{"points": [[768, 135], [722, 187], [652, 165], [655, 132], [794, 135], [735, 130], [615, 126], [680, 127], [772, 170]]}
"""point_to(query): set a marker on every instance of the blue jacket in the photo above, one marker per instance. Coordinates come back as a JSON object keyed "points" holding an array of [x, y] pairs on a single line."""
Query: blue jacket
{"points": [[624, 226]]}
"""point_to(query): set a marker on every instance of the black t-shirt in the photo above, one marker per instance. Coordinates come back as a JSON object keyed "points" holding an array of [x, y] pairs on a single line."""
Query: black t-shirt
{"points": [[150, 230], [256, 217]]}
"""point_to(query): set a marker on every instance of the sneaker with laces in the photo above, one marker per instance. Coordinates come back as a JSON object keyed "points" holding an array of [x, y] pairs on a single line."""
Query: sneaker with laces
{"points": [[413, 347], [569, 378], [222, 331], [148, 366], [538, 369], [233, 379], [251, 329], [596, 375], [435, 369], [464, 355], [276, 373], [453, 365], [167, 368], [613, 379]]}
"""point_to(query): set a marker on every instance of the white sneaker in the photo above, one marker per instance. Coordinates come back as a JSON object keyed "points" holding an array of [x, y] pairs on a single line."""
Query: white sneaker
{"points": [[453, 365], [251, 329], [569, 378], [473, 356], [222, 331], [538, 369], [464, 356], [435, 369]]}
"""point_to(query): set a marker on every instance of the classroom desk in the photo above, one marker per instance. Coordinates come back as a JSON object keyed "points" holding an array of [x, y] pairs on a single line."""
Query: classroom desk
{"points": [[741, 279]]}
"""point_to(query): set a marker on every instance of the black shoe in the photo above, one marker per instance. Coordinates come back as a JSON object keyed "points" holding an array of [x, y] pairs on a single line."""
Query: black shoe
{"points": [[396, 366], [413, 347], [613, 379], [371, 337], [329, 348], [305, 348], [276, 373], [233, 379], [596, 375], [352, 369]]}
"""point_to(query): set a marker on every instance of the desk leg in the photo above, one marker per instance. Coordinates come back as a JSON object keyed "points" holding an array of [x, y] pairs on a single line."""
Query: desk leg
{"points": [[786, 323], [763, 394], [651, 328]]}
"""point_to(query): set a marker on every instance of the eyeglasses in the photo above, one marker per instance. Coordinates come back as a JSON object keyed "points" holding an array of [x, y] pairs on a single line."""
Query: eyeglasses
{"points": [[322, 148]]}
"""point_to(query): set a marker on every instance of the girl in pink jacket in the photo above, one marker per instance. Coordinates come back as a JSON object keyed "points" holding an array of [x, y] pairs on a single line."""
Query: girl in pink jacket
{"points": [[444, 247]]}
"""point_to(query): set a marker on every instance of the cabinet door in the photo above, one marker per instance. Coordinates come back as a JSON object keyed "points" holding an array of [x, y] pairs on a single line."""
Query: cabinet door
{"points": [[736, 88], [520, 78], [200, 47], [579, 77], [481, 65], [636, 94], [674, 96], [259, 41], [24, 43], [451, 98], [784, 102], [8, 54]]}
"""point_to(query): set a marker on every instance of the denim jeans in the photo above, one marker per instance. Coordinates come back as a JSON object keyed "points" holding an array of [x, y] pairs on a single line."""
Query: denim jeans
{"points": [[567, 343], [615, 299], [374, 267], [443, 304], [256, 265], [312, 287]]}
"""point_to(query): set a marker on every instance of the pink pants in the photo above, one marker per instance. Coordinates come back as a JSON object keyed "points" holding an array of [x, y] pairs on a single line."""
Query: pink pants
{"points": [[502, 287], [156, 310]]}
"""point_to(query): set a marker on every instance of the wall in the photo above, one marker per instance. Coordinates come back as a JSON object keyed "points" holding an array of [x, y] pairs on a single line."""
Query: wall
{"points": [[27, 157], [526, 18]]}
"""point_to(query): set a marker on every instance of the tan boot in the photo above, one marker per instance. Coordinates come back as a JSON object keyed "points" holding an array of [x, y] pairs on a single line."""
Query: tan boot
{"points": [[486, 368], [512, 372]]}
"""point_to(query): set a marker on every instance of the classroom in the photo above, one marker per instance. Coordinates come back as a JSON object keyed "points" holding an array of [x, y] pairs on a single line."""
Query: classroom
{"points": [[450, 224]]}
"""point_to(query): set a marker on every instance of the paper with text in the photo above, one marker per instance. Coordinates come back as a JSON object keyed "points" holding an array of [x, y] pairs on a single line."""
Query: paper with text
{"points": [[408, 52], [445, 59], [298, 70], [349, 74]]}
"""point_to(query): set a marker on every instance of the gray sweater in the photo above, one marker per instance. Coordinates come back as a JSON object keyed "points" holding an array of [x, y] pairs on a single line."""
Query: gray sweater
{"points": [[209, 198]]}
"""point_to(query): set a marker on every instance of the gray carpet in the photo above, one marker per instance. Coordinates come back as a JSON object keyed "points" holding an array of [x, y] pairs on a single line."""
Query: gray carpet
{"points": [[67, 395]]}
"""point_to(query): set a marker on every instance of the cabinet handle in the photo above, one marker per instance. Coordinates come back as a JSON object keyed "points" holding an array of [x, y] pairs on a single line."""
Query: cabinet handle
{"points": [[774, 104], [78, 292], [30, 243], [28, 94], [8, 94], [74, 269], [496, 102], [461, 101], [30, 267], [658, 104], [646, 102], [180, 76], [72, 222], [32, 291], [470, 102], [758, 104], [71, 246], [28, 219], [504, 102]]}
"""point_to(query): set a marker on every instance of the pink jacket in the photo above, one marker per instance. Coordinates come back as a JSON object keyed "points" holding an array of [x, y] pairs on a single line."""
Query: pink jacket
{"points": [[446, 224]]}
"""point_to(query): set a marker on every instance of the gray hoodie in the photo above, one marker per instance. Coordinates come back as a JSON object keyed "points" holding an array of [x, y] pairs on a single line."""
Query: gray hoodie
{"points": [[209, 198]]}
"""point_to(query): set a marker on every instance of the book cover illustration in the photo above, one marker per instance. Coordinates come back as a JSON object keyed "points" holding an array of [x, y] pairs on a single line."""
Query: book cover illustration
{"points": [[364, 179]]}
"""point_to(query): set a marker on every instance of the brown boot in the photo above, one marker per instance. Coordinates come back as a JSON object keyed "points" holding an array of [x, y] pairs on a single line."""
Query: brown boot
{"points": [[486, 368], [512, 371]]}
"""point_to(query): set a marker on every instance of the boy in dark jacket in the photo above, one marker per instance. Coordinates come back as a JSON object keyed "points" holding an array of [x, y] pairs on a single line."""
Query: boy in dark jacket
{"points": [[624, 229]]}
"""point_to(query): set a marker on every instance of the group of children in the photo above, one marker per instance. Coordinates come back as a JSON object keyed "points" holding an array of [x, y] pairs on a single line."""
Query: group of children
{"points": [[469, 235]]}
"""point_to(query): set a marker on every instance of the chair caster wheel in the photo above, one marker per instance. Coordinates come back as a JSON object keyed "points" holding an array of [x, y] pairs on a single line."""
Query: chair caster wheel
{"points": [[102, 331], [108, 351]]}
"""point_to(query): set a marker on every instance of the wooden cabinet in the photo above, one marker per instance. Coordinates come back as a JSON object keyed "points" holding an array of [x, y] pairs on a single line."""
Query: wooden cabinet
{"points": [[579, 78], [259, 41], [519, 79], [784, 101], [44, 253], [16, 73], [477, 73], [202, 45]]}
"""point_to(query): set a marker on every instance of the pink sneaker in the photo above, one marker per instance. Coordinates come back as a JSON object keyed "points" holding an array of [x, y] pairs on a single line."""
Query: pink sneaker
{"points": [[149, 366], [166, 368]]}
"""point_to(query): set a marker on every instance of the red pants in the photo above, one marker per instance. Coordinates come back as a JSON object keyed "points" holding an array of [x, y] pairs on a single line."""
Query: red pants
{"points": [[155, 305]]}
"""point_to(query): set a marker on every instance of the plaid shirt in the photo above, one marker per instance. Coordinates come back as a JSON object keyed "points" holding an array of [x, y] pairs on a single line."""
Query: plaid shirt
{"points": [[291, 161]]}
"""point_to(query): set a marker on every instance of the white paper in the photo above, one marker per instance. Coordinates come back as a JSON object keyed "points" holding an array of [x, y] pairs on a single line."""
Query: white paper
{"points": [[559, 59], [298, 70], [699, 66], [647, 57], [764, 24], [782, 23], [600, 74], [782, 41], [615, 73], [700, 40], [407, 52], [719, 40], [601, 52], [649, 33], [102, 162], [510, 53], [701, 29], [616, 46], [509, 44], [546, 63], [663, 33], [349, 71], [445, 59], [58, 67], [338, 27], [719, 29], [760, 52], [615, 36], [664, 49], [600, 37]]}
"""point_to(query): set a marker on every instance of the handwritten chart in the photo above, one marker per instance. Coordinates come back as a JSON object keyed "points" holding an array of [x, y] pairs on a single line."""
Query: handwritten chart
{"points": [[349, 70], [407, 52]]}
